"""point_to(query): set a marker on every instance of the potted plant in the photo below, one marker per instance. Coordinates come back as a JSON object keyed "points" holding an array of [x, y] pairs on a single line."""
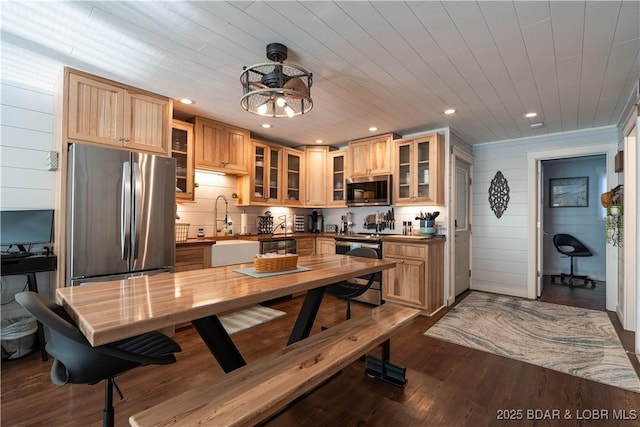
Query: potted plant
{"points": [[427, 223], [613, 224]]}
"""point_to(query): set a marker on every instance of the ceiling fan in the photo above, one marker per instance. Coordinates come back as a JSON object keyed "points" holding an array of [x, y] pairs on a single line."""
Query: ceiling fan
{"points": [[278, 88]]}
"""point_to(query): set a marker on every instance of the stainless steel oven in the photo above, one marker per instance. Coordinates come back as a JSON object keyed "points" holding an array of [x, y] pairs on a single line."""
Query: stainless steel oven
{"points": [[344, 244]]}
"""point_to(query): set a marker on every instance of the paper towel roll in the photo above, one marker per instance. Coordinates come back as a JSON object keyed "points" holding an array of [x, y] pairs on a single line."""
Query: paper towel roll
{"points": [[243, 223]]}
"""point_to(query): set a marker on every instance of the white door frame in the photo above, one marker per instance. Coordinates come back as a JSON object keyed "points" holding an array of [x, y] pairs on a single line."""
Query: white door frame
{"points": [[456, 154], [533, 160]]}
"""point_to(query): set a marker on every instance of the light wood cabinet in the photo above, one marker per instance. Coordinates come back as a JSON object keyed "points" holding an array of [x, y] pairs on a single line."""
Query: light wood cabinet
{"points": [[325, 245], [371, 156], [305, 246], [103, 112], [293, 176], [220, 147], [418, 278], [316, 176], [193, 256], [337, 174], [263, 185], [419, 170], [182, 151]]}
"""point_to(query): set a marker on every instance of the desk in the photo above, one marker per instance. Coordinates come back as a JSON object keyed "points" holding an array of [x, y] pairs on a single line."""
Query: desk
{"points": [[110, 311], [29, 266]]}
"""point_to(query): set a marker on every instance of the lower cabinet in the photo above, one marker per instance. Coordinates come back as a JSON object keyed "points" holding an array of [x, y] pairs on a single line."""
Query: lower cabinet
{"points": [[305, 246], [418, 278], [325, 245], [193, 256]]}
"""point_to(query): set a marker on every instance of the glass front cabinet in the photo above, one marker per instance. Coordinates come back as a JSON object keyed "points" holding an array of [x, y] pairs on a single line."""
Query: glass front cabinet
{"points": [[182, 151], [292, 162], [337, 161], [419, 170], [263, 184]]}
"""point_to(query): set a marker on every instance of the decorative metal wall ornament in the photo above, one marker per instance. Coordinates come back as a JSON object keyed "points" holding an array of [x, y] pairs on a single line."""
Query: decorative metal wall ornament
{"points": [[499, 194]]}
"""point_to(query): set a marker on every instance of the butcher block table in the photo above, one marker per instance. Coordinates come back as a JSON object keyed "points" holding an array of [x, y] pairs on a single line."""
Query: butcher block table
{"points": [[110, 311]]}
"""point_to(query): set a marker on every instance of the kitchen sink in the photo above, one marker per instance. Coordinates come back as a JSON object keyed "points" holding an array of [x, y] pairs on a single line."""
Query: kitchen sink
{"points": [[229, 252]]}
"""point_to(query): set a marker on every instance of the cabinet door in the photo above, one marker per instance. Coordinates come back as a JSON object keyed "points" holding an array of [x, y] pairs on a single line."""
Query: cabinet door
{"points": [[95, 111], [380, 156], [147, 123], [234, 150], [220, 148], [208, 135], [336, 178], [293, 161], [182, 151], [305, 246], [404, 173], [405, 283], [316, 176], [359, 153], [371, 156], [325, 246]]}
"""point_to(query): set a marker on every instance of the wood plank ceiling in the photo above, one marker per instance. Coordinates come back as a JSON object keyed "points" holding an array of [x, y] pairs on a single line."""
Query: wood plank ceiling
{"points": [[394, 65]]}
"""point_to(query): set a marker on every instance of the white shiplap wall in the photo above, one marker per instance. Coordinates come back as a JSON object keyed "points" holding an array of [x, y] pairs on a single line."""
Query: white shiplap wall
{"points": [[25, 183], [499, 261]]}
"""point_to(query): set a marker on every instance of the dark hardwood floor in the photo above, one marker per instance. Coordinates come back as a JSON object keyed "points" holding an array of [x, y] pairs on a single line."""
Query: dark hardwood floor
{"points": [[449, 385]]}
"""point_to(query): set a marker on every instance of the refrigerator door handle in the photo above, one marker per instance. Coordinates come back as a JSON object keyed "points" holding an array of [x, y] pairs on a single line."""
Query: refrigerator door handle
{"points": [[137, 209], [125, 211]]}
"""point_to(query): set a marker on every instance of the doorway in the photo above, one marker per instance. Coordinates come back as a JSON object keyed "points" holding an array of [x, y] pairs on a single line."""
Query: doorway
{"points": [[538, 196], [570, 204]]}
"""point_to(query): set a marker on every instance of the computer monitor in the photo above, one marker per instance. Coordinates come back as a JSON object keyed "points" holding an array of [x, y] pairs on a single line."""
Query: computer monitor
{"points": [[26, 227]]}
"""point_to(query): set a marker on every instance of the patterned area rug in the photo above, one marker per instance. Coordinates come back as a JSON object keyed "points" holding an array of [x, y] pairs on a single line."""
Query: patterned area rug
{"points": [[248, 318], [572, 340]]}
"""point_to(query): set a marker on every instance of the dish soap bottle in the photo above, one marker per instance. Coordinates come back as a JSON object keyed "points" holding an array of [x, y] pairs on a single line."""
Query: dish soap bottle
{"points": [[230, 228]]}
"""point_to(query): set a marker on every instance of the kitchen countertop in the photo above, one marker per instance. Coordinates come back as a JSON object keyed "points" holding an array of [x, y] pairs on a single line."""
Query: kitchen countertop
{"points": [[211, 240]]}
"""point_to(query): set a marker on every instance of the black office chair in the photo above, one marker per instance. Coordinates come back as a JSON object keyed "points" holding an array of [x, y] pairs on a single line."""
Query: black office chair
{"points": [[77, 362], [349, 289], [568, 245]]}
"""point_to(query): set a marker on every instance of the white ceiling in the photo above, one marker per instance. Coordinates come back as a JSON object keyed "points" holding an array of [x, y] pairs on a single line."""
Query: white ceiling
{"points": [[395, 65]]}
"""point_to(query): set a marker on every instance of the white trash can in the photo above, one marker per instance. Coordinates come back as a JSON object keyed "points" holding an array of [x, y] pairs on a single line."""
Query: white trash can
{"points": [[18, 336]]}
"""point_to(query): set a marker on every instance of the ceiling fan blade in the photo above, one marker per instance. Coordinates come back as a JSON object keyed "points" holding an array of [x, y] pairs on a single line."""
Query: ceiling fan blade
{"points": [[297, 84]]}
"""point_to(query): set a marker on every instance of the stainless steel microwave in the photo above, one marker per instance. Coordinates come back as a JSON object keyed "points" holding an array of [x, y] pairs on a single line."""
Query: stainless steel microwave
{"points": [[374, 190]]}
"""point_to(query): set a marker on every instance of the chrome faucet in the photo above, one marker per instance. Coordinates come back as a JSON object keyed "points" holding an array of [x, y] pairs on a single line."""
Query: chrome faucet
{"points": [[215, 214]]}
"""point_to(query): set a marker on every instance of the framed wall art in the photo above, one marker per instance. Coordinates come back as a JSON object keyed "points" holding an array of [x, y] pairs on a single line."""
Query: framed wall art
{"points": [[569, 192]]}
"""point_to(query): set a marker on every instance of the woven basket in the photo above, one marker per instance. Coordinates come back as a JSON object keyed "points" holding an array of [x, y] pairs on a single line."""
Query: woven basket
{"points": [[271, 264], [182, 231]]}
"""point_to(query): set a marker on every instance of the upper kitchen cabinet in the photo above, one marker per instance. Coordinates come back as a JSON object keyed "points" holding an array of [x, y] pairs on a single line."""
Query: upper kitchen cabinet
{"points": [[419, 170], [262, 186], [220, 147], [337, 162], [293, 176], [104, 112], [316, 176], [371, 156], [182, 151]]}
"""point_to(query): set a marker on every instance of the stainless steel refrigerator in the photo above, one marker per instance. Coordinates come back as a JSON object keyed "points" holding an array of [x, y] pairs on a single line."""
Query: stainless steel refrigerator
{"points": [[120, 214]]}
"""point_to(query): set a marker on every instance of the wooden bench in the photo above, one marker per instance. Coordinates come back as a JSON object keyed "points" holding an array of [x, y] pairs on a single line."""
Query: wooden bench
{"points": [[261, 389]]}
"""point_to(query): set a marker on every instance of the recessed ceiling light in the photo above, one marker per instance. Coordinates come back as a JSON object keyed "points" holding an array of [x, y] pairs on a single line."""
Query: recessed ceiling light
{"points": [[373, 129], [531, 114], [266, 125], [187, 101], [449, 111], [319, 141], [536, 125]]}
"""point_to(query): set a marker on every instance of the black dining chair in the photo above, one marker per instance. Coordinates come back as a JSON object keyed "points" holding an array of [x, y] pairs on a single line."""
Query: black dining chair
{"points": [[77, 362], [568, 245], [352, 288]]}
